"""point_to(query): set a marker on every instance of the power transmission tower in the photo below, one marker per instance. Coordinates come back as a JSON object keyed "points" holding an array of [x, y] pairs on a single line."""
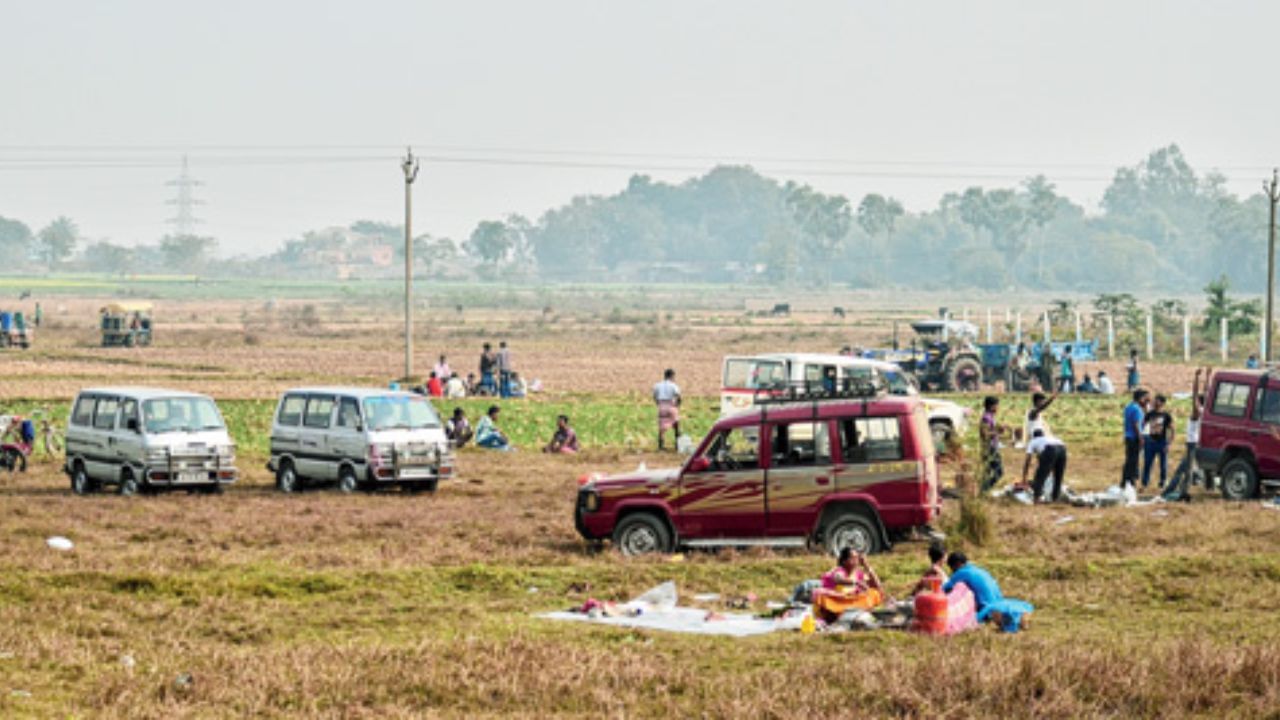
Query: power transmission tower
{"points": [[185, 220], [410, 167]]}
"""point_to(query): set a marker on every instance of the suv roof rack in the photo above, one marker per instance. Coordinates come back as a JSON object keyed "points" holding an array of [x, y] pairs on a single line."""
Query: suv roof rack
{"points": [[804, 392]]}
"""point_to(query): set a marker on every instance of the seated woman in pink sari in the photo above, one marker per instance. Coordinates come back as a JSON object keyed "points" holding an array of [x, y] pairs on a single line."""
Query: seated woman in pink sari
{"points": [[851, 584]]}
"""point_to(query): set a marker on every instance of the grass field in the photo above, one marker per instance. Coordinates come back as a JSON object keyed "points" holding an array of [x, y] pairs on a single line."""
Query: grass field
{"points": [[253, 603]]}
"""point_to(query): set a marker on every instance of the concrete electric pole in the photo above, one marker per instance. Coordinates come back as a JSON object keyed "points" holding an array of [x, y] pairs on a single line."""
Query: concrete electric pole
{"points": [[410, 167], [1272, 189]]}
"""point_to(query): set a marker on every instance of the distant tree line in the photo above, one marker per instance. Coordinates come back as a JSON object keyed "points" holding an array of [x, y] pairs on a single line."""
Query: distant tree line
{"points": [[1160, 227]]}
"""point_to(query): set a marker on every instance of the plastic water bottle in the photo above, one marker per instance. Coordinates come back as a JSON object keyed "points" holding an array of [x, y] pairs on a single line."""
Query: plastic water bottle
{"points": [[807, 626]]}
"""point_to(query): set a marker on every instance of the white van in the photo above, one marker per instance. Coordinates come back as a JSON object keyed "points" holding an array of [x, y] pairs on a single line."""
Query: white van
{"points": [[362, 438], [147, 438], [748, 377]]}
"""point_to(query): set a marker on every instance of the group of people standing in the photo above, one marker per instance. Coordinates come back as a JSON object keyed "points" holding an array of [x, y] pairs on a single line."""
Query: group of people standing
{"points": [[1049, 451], [1149, 431], [497, 377]]}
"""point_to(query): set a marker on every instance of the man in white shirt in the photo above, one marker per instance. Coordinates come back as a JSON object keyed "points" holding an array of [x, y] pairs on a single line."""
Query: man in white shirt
{"points": [[1105, 386], [1051, 455], [666, 395], [455, 389]]}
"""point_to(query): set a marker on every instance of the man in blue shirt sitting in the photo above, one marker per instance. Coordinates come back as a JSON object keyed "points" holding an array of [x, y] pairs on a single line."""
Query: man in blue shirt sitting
{"points": [[1134, 412], [989, 602]]}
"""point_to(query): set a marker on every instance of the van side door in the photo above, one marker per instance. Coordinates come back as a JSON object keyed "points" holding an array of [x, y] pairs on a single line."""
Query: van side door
{"points": [[128, 434], [105, 465], [726, 499], [80, 431], [800, 473], [346, 439], [315, 460]]}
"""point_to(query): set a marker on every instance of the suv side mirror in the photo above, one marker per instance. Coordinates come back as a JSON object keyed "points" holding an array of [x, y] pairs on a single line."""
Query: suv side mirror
{"points": [[699, 464], [131, 424]]}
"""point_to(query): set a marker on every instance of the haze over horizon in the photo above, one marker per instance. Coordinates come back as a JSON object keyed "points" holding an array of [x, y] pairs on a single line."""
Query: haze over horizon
{"points": [[294, 114]]}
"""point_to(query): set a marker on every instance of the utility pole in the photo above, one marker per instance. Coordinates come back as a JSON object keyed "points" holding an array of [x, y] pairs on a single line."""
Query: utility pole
{"points": [[185, 220], [1272, 190], [410, 167]]}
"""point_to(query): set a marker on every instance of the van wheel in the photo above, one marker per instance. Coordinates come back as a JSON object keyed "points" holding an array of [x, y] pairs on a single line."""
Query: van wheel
{"points": [[1239, 480], [641, 534], [851, 530], [81, 484], [287, 480], [347, 480], [128, 485]]}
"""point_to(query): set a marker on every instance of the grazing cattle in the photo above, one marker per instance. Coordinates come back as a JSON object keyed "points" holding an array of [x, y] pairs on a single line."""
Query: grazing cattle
{"points": [[838, 311], [781, 310]]}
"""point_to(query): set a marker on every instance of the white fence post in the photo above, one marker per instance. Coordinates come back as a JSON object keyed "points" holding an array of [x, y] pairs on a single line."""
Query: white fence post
{"points": [[1151, 340], [1111, 337], [989, 334], [1186, 338], [1226, 340], [1048, 329], [1079, 337], [946, 327], [1018, 331]]}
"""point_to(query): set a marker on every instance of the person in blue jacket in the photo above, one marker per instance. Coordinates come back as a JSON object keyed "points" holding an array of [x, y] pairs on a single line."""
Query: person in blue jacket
{"points": [[991, 604]]}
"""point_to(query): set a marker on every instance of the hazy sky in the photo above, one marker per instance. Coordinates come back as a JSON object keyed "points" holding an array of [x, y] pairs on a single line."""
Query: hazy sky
{"points": [[293, 112]]}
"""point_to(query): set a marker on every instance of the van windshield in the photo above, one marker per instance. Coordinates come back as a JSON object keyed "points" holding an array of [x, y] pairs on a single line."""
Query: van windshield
{"points": [[400, 412], [181, 414], [752, 374], [900, 384]]}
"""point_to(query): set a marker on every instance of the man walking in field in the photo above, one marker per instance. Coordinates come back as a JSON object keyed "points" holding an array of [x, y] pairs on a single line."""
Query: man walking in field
{"points": [[666, 395]]}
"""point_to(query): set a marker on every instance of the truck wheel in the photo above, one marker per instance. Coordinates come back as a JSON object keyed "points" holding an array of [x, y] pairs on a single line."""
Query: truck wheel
{"points": [[347, 480], [287, 480], [81, 484], [641, 534], [1239, 480], [851, 530], [128, 485], [964, 375]]}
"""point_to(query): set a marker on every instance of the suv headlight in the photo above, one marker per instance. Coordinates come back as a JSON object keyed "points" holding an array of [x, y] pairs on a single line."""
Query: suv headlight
{"points": [[227, 452]]}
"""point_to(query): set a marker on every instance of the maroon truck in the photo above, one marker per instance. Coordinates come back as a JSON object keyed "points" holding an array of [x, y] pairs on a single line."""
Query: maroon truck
{"points": [[836, 473], [1240, 432]]}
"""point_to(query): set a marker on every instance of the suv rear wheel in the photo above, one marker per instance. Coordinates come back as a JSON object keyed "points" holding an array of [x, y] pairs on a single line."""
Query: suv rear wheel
{"points": [[851, 530], [641, 534], [1239, 480]]}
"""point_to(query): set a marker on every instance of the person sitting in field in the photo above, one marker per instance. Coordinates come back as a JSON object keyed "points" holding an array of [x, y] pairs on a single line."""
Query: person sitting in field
{"points": [[435, 388], [850, 585], [516, 386], [1105, 386], [458, 428], [937, 569], [1087, 386], [1007, 614], [470, 383], [455, 388], [488, 435], [565, 440]]}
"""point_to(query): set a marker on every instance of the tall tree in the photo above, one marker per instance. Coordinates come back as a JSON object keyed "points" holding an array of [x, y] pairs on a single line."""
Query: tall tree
{"points": [[187, 252], [103, 256], [15, 241], [823, 222], [57, 241]]}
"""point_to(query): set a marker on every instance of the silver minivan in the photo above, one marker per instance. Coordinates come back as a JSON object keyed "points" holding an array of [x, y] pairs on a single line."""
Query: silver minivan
{"points": [[362, 438], [135, 438]]}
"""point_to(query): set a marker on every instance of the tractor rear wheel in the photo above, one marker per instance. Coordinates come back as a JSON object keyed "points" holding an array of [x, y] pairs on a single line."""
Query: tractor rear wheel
{"points": [[964, 375]]}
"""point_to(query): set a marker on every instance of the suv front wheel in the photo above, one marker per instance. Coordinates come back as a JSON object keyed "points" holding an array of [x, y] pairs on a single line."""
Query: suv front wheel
{"points": [[851, 530], [641, 534], [1239, 480]]}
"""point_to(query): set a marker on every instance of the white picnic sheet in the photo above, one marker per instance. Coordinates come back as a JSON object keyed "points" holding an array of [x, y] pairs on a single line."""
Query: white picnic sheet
{"points": [[686, 620]]}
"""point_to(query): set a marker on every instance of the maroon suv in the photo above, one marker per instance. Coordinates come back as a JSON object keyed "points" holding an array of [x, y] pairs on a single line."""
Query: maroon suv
{"points": [[1240, 434]]}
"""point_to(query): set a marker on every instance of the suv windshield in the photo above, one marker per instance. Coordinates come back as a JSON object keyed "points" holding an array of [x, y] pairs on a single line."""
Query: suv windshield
{"points": [[749, 374], [400, 412], [181, 414]]}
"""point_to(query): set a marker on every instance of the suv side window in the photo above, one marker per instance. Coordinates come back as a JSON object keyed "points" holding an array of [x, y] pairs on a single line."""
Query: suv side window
{"points": [[735, 449], [319, 409], [1231, 399], [348, 413], [129, 411], [291, 410], [871, 439], [800, 444], [1266, 407], [104, 417], [83, 412]]}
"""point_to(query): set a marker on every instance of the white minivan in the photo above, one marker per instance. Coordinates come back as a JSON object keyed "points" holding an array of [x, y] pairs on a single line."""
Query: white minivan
{"points": [[362, 438], [147, 438]]}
